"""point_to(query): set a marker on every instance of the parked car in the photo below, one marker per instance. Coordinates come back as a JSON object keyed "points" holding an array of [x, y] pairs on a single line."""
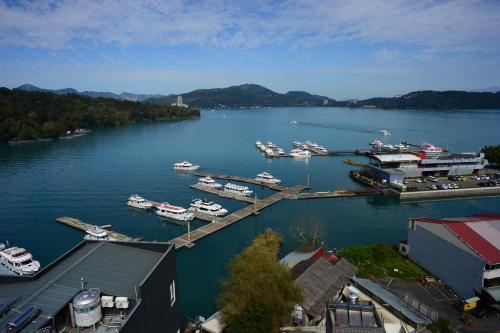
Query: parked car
{"points": [[455, 186], [432, 187], [417, 180], [476, 177], [432, 179], [454, 178]]}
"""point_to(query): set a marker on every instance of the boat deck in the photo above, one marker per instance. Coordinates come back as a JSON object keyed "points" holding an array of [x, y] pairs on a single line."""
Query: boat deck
{"points": [[223, 194], [187, 240], [80, 225]]}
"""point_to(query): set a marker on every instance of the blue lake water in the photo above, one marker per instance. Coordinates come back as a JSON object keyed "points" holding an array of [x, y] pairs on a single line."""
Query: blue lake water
{"points": [[91, 178]]}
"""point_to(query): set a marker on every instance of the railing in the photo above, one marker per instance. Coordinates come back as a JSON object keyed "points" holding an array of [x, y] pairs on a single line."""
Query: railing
{"points": [[421, 308]]}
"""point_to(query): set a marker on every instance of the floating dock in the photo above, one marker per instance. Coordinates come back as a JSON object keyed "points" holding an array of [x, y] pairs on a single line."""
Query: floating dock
{"points": [[275, 187], [223, 194], [187, 240], [80, 225]]}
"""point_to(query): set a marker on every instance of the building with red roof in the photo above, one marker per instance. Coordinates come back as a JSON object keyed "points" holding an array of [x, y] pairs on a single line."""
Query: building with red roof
{"points": [[463, 252]]}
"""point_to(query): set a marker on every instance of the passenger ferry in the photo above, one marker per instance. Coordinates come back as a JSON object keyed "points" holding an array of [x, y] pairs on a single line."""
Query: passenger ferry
{"points": [[174, 212], [431, 150], [185, 166], [209, 182], [299, 153], [137, 201], [266, 177], [96, 233], [385, 132], [237, 189], [18, 260], [208, 207]]}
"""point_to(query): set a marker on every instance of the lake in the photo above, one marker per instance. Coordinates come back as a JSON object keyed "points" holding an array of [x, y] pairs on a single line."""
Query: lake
{"points": [[91, 177]]}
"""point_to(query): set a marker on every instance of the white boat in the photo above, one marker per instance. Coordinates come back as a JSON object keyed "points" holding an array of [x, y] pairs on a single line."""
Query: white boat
{"points": [[431, 150], [18, 260], [262, 147], [208, 207], [400, 147], [376, 143], [96, 233], [388, 147], [237, 189], [137, 201], [294, 122], [209, 182], [266, 177], [299, 153], [279, 152], [258, 143], [271, 145], [297, 144], [185, 166], [174, 212], [385, 132], [322, 149], [270, 153]]}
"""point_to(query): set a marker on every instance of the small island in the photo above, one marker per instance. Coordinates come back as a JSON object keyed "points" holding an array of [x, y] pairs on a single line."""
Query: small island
{"points": [[26, 116]]}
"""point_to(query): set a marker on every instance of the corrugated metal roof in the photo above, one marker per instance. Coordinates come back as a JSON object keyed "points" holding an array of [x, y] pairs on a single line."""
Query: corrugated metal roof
{"points": [[480, 232], [397, 158], [389, 298], [115, 269]]}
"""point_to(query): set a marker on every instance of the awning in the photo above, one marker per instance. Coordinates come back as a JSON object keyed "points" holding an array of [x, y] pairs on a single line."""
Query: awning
{"points": [[494, 293]]}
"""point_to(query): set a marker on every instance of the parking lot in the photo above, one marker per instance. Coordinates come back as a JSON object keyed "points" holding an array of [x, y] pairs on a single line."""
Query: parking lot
{"points": [[443, 183]]}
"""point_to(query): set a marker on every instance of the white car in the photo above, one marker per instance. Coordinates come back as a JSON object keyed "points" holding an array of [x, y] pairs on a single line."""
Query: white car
{"points": [[417, 180]]}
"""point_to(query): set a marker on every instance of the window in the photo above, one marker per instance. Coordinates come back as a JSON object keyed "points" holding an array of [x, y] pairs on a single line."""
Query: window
{"points": [[172, 293]]}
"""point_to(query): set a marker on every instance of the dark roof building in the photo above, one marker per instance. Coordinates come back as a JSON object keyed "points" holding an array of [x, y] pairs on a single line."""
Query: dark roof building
{"points": [[140, 274], [321, 281], [463, 252]]}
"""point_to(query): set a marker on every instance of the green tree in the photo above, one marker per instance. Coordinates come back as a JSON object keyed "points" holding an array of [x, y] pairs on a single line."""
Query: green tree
{"points": [[492, 153], [259, 293]]}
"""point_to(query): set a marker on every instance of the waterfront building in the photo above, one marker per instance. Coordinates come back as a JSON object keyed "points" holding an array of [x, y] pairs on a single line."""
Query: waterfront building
{"points": [[394, 168], [179, 102], [463, 252], [129, 286]]}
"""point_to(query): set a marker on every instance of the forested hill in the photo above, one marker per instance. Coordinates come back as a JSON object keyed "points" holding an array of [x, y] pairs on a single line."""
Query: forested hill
{"points": [[33, 115], [429, 99], [245, 95]]}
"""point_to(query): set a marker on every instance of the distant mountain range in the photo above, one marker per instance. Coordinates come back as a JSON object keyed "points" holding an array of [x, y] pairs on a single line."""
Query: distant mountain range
{"points": [[94, 94], [245, 95], [253, 95]]}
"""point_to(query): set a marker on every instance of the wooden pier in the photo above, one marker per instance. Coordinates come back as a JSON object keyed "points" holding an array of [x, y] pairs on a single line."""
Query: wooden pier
{"points": [[80, 225], [223, 194], [275, 187], [187, 240]]}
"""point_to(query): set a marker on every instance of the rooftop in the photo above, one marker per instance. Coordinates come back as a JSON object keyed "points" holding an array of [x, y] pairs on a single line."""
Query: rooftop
{"points": [[481, 233], [386, 158], [114, 268], [322, 281]]}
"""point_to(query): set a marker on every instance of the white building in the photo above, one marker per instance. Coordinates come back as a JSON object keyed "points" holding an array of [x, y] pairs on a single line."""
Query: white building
{"points": [[179, 102]]}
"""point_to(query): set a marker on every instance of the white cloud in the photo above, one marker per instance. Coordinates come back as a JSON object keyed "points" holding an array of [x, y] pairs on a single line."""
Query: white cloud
{"points": [[442, 26]]}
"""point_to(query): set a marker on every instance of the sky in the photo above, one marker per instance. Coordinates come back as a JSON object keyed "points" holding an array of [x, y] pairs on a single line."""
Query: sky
{"points": [[340, 49]]}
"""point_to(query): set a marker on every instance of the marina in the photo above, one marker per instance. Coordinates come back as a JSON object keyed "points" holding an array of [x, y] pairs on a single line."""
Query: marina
{"points": [[188, 239], [80, 225]]}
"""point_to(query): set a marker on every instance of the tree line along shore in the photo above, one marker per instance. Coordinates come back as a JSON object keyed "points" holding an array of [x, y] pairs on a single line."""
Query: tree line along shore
{"points": [[43, 115]]}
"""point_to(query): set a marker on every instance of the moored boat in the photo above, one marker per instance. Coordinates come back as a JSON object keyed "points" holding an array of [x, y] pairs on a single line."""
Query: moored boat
{"points": [[207, 207], [266, 177], [174, 212], [185, 166], [137, 201], [385, 132], [96, 233], [209, 182], [238, 189], [299, 153], [18, 260]]}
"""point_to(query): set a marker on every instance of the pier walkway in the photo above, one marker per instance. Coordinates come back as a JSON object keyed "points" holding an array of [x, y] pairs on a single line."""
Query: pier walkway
{"points": [[187, 240], [80, 225], [275, 187]]}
